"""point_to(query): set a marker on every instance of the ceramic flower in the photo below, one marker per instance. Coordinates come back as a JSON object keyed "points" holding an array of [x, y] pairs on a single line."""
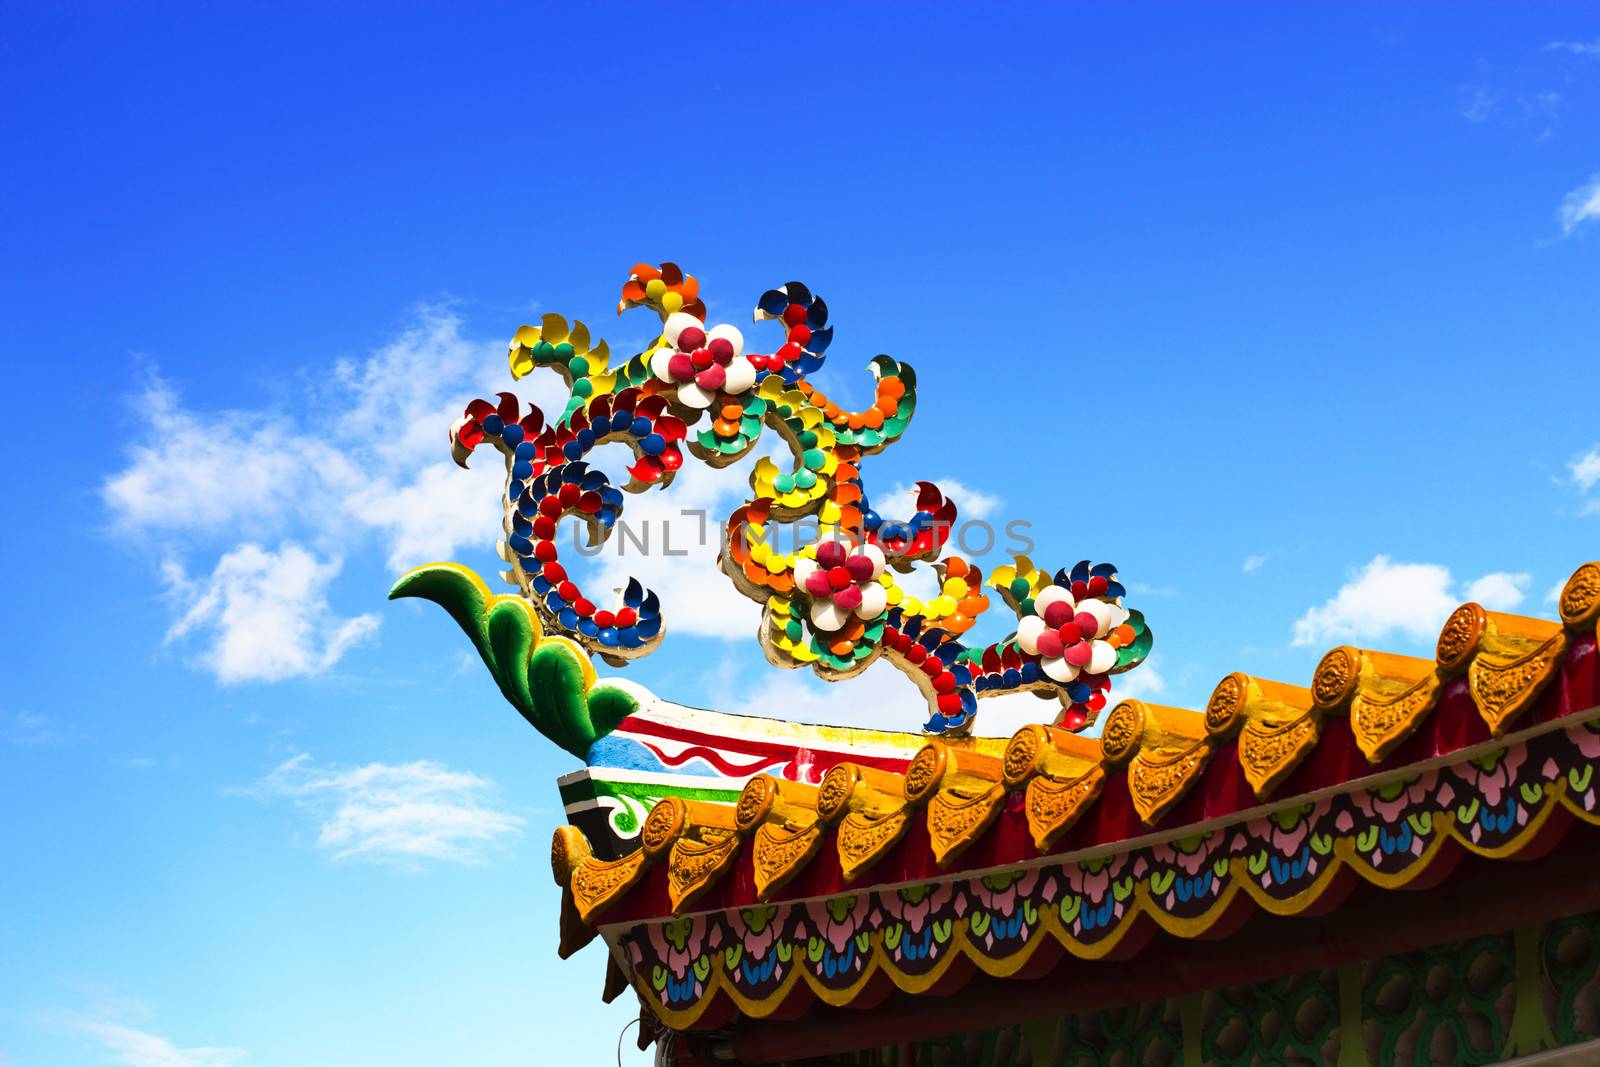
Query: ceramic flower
{"points": [[702, 363], [1072, 636], [843, 584]]}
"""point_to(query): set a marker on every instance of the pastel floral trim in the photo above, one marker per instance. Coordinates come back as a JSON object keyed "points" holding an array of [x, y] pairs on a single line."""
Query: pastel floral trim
{"points": [[1390, 835]]}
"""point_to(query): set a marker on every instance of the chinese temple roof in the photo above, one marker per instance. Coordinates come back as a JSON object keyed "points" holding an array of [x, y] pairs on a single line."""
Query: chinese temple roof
{"points": [[737, 864], [961, 807]]}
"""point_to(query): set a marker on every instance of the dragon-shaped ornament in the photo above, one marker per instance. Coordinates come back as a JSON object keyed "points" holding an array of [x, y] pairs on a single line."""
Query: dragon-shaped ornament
{"points": [[834, 605]]}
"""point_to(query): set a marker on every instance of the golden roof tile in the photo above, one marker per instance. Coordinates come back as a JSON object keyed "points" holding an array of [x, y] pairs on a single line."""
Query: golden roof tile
{"points": [[959, 787]]}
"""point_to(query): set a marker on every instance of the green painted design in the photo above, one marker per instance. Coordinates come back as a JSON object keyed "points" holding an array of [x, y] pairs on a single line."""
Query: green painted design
{"points": [[1443, 997], [1476, 1001], [545, 680], [1288, 818], [1569, 957], [1351, 1053], [1529, 1031], [677, 931], [653, 792]]}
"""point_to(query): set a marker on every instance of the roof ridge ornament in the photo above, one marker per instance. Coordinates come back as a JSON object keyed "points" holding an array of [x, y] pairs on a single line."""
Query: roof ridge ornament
{"points": [[833, 605]]}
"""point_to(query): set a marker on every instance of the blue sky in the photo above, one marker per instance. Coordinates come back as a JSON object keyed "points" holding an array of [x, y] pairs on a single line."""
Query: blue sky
{"points": [[1291, 314]]}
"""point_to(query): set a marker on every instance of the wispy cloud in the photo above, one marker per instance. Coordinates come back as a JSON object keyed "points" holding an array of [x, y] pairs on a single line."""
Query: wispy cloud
{"points": [[1478, 104], [1385, 598], [1579, 207], [140, 1048], [1540, 109], [27, 729], [120, 1026], [402, 814], [359, 470], [1585, 474], [1254, 562], [1591, 49], [1586, 469], [264, 616], [672, 549]]}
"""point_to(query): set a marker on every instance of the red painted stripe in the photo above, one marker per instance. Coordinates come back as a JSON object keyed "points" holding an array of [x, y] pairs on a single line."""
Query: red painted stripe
{"points": [[716, 759], [793, 755]]}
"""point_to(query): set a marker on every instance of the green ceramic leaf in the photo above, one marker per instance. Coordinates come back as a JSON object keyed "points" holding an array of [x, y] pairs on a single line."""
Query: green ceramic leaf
{"points": [[543, 680]]}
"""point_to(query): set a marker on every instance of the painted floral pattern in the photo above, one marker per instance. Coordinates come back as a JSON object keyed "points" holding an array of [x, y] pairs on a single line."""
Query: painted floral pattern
{"points": [[1489, 804]]}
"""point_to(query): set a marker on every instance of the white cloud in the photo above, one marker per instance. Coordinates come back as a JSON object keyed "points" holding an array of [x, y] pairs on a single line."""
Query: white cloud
{"points": [[686, 518], [881, 698], [365, 461], [1544, 109], [1253, 563], [139, 1048], [264, 616], [27, 729], [1580, 206], [1586, 470], [1577, 48], [443, 508], [1585, 475], [1411, 599], [1499, 591], [198, 473], [1478, 104], [396, 813]]}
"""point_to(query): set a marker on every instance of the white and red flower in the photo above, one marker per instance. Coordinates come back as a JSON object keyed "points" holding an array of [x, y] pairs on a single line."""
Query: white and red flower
{"points": [[702, 363], [1071, 636], [843, 584]]}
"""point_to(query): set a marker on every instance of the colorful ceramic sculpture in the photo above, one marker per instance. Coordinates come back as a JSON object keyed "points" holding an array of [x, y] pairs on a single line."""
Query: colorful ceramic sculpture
{"points": [[834, 604]]}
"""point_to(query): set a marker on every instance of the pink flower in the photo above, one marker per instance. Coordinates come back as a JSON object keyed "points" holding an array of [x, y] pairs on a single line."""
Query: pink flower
{"points": [[1586, 738], [1491, 782]]}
